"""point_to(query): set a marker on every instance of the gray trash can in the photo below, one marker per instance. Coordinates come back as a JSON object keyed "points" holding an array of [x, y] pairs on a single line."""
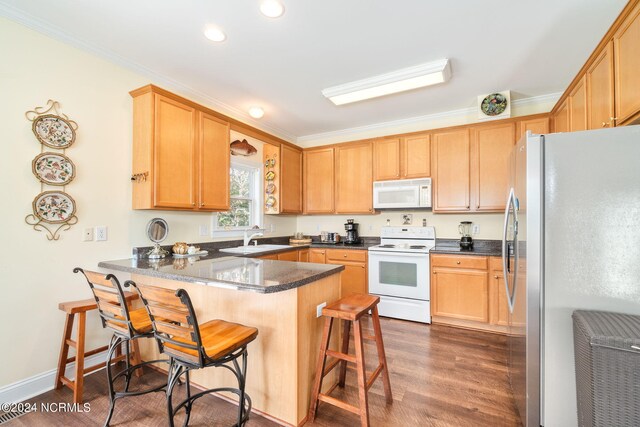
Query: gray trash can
{"points": [[607, 356]]}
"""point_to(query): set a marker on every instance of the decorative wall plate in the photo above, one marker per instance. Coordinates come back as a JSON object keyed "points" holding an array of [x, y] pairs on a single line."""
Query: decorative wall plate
{"points": [[53, 168], [270, 176], [494, 104], [271, 188], [54, 131], [54, 207], [270, 202]]}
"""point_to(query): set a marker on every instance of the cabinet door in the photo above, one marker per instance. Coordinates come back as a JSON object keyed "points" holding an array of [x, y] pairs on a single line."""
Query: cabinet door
{"points": [[290, 180], [600, 90], [578, 107], [354, 179], [288, 256], [451, 171], [318, 181], [460, 294], [174, 154], [214, 163], [353, 279], [538, 126], [626, 44], [272, 257], [498, 307], [491, 148], [303, 255], [416, 157], [317, 255], [561, 118], [386, 159]]}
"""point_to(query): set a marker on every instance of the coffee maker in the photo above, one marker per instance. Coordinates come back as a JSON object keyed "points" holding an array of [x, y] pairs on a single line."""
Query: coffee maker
{"points": [[466, 242], [352, 233]]}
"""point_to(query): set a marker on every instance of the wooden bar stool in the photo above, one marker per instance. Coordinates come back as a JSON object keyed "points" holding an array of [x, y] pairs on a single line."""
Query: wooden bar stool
{"points": [[71, 308], [350, 309]]}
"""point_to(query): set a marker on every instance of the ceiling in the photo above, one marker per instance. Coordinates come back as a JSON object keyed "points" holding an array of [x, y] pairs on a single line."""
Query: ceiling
{"points": [[531, 48]]}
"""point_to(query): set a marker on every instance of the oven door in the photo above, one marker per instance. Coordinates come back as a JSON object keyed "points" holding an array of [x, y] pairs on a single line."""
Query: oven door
{"points": [[398, 274]]}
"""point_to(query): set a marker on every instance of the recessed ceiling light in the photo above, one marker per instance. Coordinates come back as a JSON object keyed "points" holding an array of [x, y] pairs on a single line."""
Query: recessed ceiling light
{"points": [[256, 112], [215, 34], [402, 80], [272, 8]]}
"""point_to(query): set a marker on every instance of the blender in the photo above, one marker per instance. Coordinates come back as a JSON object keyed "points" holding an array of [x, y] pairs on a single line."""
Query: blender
{"points": [[466, 242]]}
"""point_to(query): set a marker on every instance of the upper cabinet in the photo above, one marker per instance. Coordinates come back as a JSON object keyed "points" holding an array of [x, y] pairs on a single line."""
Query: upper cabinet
{"points": [[354, 178], [600, 89], [318, 172], [578, 107], [561, 118], [451, 171], [626, 43], [539, 125], [180, 154], [290, 179], [402, 158]]}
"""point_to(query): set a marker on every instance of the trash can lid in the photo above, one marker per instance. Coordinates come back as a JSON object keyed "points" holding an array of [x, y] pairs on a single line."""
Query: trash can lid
{"points": [[610, 329]]}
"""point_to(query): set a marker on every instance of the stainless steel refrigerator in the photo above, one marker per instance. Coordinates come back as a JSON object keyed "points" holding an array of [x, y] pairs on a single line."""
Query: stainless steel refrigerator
{"points": [[571, 241]]}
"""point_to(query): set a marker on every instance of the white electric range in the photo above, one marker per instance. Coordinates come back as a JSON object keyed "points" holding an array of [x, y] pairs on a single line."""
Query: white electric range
{"points": [[399, 272]]}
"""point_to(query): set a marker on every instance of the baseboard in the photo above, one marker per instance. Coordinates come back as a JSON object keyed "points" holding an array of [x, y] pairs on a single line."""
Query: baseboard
{"points": [[41, 383]]}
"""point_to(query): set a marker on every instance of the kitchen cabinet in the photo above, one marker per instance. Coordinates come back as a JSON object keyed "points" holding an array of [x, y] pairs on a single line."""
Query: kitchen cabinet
{"points": [[402, 158], [538, 126], [303, 255], [290, 179], [561, 118], [354, 278], [288, 256], [600, 90], [318, 172], [491, 147], [180, 154], [317, 256], [270, 256], [498, 306], [354, 178], [578, 107], [451, 171], [626, 43]]}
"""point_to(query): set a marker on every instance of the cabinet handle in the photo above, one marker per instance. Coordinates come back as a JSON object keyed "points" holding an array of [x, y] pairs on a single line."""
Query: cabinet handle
{"points": [[457, 262], [201, 204], [193, 203], [495, 277], [613, 119], [363, 266], [434, 272], [140, 177], [604, 125], [468, 206]]}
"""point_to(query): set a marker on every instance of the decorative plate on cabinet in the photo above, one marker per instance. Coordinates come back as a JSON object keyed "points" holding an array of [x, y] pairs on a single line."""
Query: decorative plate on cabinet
{"points": [[270, 202], [53, 168], [54, 131], [270, 175], [271, 188], [54, 207]]}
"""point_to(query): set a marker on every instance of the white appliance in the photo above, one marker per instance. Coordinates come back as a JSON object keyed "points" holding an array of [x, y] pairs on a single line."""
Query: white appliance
{"points": [[402, 194], [399, 272], [571, 236]]}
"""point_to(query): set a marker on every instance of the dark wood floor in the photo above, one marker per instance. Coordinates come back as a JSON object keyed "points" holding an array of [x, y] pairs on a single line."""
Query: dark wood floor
{"points": [[440, 376]]}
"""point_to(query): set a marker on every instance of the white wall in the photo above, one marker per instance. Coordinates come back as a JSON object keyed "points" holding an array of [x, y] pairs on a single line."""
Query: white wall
{"points": [[35, 274]]}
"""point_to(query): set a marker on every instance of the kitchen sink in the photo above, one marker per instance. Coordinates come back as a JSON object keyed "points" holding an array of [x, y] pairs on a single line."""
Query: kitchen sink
{"points": [[253, 249]]}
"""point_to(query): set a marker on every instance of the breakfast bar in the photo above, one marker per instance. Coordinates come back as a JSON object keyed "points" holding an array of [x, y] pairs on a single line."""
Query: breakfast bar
{"points": [[278, 298]]}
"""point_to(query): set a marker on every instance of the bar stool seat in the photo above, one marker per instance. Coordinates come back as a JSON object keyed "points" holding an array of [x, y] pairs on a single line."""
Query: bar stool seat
{"points": [[350, 309]]}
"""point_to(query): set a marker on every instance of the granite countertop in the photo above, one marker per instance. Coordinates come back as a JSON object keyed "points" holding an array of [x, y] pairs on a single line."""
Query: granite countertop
{"points": [[480, 247], [220, 270]]}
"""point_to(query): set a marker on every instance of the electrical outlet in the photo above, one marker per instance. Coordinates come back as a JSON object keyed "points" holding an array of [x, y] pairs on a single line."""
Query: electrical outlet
{"points": [[87, 234], [319, 309], [203, 230], [272, 228], [101, 233], [475, 229], [370, 227]]}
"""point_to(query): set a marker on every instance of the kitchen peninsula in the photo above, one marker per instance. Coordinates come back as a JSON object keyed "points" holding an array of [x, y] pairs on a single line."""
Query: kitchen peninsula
{"points": [[277, 297]]}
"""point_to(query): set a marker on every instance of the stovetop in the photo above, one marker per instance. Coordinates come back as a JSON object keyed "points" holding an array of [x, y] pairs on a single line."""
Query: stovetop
{"points": [[406, 239]]}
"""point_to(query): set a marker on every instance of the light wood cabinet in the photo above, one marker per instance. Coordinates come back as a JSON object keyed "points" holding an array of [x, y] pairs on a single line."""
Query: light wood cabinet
{"points": [[386, 159], [600, 87], [491, 149], [626, 43], [273, 257], [180, 154], [318, 172], [303, 255], [402, 158], [538, 126], [354, 277], [354, 178], [498, 306], [290, 180], [317, 256], [451, 171], [561, 118], [288, 256], [578, 107]]}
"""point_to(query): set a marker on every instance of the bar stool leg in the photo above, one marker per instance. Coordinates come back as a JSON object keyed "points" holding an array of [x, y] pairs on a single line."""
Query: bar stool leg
{"points": [[382, 358], [135, 358], [346, 326], [317, 384], [360, 368], [79, 380], [64, 350]]}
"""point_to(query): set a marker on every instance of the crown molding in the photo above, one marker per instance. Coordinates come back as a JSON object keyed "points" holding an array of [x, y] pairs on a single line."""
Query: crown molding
{"points": [[56, 33], [412, 124]]}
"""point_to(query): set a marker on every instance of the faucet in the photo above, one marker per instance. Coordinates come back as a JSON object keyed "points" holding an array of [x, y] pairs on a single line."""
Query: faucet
{"points": [[248, 237]]}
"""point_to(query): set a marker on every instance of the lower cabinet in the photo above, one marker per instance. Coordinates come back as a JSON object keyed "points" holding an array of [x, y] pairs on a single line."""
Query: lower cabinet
{"points": [[303, 255], [354, 277], [317, 256], [288, 256]]}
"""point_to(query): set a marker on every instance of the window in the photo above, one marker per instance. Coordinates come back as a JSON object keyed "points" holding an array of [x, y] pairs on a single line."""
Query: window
{"points": [[245, 195]]}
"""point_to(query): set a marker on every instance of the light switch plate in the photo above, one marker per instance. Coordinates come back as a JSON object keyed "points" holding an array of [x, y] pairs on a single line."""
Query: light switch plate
{"points": [[475, 229], [87, 234]]}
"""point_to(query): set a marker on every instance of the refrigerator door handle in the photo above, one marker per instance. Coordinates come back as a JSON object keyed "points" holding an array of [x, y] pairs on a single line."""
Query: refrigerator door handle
{"points": [[506, 249]]}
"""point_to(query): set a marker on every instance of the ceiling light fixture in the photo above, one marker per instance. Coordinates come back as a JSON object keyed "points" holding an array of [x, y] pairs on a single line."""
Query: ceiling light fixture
{"points": [[256, 112], [418, 76], [271, 8], [215, 34]]}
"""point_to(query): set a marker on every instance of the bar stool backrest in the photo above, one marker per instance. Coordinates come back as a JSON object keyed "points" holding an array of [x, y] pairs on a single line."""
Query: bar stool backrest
{"points": [[174, 322], [111, 301]]}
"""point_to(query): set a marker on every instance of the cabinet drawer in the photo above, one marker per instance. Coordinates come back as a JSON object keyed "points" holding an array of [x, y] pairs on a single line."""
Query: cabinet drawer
{"points": [[459, 261], [346, 255], [495, 264]]}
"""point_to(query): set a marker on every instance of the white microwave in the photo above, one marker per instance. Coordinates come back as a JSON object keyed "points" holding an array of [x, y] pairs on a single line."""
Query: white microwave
{"points": [[402, 194]]}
